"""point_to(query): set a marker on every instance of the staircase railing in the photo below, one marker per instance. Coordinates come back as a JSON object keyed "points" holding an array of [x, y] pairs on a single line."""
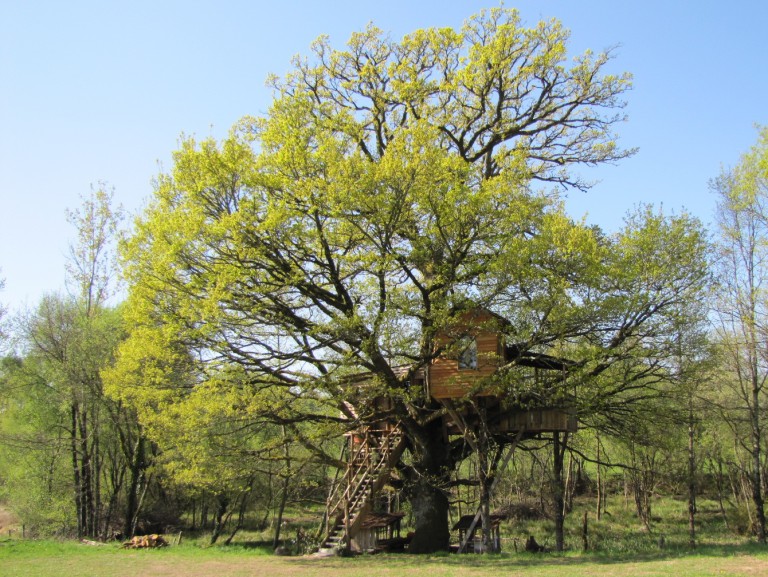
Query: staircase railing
{"points": [[367, 471]]}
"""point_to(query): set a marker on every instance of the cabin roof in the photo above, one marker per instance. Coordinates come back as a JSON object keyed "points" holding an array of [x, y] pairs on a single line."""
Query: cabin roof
{"points": [[466, 521], [381, 520], [519, 355]]}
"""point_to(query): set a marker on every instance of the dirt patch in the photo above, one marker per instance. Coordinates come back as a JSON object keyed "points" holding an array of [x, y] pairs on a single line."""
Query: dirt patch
{"points": [[754, 567], [7, 520]]}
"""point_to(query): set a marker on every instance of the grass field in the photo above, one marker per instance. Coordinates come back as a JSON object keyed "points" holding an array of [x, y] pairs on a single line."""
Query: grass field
{"points": [[620, 547], [70, 559]]}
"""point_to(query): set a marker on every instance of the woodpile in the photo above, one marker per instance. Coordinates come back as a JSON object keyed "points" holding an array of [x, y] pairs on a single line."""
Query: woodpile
{"points": [[91, 543], [146, 542]]}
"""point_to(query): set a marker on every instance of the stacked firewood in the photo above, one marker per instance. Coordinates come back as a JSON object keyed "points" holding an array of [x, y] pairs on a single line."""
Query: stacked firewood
{"points": [[146, 542]]}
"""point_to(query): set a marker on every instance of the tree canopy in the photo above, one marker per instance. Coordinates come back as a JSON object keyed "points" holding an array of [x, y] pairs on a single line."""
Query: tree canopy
{"points": [[2, 310], [392, 187]]}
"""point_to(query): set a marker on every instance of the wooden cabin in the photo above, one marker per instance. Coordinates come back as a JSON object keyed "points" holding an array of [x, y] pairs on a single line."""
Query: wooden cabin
{"points": [[474, 353]]}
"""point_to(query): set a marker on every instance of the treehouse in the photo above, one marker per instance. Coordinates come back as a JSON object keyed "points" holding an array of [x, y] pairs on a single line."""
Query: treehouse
{"points": [[516, 393], [518, 389]]}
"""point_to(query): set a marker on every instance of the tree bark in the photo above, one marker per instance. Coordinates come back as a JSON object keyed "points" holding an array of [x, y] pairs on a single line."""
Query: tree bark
{"points": [[486, 479], [691, 476], [430, 516], [86, 474], [600, 482], [558, 490], [485, 502], [222, 502], [241, 512], [76, 470], [280, 511], [428, 480], [96, 471], [132, 497], [757, 493]]}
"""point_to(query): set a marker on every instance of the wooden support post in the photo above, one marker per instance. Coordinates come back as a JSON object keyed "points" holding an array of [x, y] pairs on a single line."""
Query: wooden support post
{"points": [[505, 461], [347, 537]]}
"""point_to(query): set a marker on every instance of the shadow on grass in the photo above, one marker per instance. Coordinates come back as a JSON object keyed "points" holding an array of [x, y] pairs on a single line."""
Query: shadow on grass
{"points": [[567, 559], [265, 546]]}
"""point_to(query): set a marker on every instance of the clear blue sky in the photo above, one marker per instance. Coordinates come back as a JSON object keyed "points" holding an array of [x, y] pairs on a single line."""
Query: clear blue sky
{"points": [[101, 90]]}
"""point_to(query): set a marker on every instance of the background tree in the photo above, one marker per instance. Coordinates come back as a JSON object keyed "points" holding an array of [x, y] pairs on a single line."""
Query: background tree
{"points": [[618, 328], [36, 475], [692, 373], [689, 413], [67, 341], [3, 312], [92, 266], [68, 353], [215, 433], [743, 308]]}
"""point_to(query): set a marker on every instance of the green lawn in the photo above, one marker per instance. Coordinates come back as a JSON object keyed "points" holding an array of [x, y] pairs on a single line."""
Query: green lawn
{"points": [[620, 547], [69, 559]]}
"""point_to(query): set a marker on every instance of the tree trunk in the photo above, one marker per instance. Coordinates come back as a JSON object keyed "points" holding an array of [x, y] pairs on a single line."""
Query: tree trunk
{"points": [[691, 477], [144, 490], [757, 494], [485, 478], [286, 486], [430, 517], [76, 471], [97, 470], [132, 497], [280, 511], [600, 483], [86, 475], [240, 512], [428, 481], [485, 504], [222, 502], [558, 490], [118, 477], [204, 514], [719, 484]]}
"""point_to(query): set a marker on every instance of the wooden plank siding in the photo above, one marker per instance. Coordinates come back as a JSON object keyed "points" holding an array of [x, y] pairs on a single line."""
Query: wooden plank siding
{"points": [[446, 379], [538, 421]]}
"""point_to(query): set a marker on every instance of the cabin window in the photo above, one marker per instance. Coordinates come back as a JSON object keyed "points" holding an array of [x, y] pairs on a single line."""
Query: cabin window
{"points": [[468, 354]]}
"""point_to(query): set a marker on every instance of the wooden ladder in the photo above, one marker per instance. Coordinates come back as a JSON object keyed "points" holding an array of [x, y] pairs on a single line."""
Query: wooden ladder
{"points": [[368, 471]]}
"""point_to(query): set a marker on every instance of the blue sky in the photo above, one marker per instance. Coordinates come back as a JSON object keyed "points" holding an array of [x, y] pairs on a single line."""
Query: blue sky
{"points": [[101, 90]]}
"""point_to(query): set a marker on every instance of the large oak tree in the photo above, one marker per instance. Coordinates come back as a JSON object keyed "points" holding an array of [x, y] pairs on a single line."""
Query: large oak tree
{"points": [[392, 185]]}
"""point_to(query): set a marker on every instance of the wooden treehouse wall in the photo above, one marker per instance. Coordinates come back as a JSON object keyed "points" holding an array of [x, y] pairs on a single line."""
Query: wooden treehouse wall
{"points": [[446, 379], [538, 420]]}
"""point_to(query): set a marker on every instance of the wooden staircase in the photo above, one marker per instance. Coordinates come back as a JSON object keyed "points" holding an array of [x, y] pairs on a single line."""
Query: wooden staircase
{"points": [[373, 454]]}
